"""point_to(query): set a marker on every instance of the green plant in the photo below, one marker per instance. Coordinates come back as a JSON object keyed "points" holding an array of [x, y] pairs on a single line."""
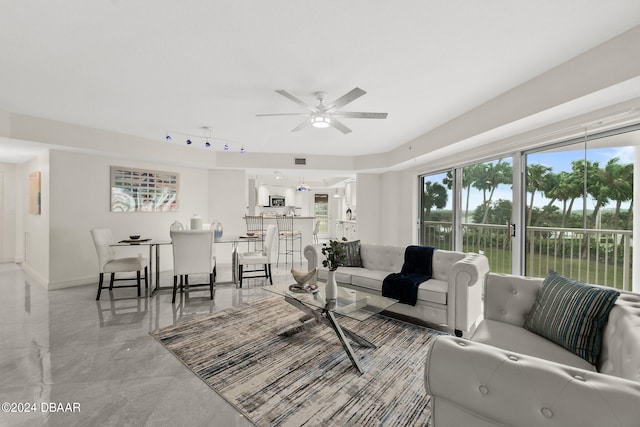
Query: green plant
{"points": [[335, 254]]}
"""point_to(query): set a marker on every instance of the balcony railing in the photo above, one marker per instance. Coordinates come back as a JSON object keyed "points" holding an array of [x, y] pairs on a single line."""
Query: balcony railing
{"points": [[589, 255]]}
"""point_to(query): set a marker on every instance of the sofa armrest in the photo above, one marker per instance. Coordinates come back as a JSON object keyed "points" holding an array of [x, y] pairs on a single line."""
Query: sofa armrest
{"points": [[469, 380], [509, 298], [466, 286]]}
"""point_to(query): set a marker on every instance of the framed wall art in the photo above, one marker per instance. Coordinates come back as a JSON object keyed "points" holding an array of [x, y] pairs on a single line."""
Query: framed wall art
{"points": [[143, 190], [35, 207]]}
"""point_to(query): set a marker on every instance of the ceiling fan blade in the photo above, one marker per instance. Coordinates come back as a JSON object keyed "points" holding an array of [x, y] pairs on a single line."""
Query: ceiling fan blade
{"points": [[301, 125], [297, 100], [360, 115], [282, 114], [345, 99], [338, 125]]}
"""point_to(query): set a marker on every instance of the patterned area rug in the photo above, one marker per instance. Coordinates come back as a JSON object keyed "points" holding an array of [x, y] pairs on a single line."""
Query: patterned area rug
{"points": [[306, 379]]}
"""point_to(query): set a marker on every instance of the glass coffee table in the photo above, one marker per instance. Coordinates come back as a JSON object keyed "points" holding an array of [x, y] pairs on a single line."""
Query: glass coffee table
{"points": [[355, 304]]}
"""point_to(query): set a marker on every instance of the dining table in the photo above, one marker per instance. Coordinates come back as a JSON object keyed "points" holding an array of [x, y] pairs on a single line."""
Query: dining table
{"points": [[154, 248], [154, 245]]}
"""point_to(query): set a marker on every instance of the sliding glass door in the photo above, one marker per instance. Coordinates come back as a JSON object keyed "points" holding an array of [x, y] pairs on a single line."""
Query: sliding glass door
{"points": [[486, 212], [579, 215], [436, 210], [478, 221]]}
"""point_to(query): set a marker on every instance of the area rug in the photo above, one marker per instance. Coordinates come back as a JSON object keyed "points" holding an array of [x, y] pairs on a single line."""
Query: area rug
{"points": [[306, 379]]}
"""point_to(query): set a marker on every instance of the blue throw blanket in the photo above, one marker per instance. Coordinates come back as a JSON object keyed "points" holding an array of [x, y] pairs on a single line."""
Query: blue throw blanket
{"points": [[417, 267]]}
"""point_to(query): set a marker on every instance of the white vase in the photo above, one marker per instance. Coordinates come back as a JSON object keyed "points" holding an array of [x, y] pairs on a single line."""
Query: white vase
{"points": [[331, 289], [196, 222]]}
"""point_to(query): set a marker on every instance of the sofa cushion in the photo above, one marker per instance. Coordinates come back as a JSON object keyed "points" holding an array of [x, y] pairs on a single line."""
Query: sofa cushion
{"points": [[519, 340], [369, 279], [382, 257], [572, 315], [434, 291], [352, 254]]}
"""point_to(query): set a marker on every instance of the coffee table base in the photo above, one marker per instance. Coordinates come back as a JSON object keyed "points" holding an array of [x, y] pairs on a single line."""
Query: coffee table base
{"points": [[326, 317]]}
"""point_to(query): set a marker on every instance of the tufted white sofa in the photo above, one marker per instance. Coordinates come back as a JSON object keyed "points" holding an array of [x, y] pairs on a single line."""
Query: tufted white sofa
{"points": [[506, 375], [451, 298]]}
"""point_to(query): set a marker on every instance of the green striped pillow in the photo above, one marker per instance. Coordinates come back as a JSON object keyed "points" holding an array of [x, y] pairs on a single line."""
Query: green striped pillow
{"points": [[572, 314]]}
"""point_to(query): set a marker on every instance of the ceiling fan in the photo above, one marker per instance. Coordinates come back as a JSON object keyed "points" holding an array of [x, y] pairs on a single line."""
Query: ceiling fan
{"points": [[325, 115]]}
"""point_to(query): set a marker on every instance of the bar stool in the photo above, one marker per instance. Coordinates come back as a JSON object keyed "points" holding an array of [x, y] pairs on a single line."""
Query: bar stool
{"points": [[255, 225], [289, 235]]}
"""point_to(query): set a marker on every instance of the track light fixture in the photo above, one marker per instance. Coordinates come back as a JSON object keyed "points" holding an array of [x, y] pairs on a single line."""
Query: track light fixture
{"points": [[207, 139]]}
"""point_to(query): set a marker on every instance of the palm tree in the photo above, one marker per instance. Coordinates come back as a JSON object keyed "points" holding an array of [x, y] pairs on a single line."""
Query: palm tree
{"points": [[598, 181], [435, 195], [618, 180], [488, 176], [469, 174], [536, 181]]}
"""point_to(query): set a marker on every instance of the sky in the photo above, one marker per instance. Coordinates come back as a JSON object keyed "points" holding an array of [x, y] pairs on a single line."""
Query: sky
{"points": [[558, 161]]}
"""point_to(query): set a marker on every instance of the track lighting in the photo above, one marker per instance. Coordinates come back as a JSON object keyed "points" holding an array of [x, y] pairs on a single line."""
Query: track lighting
{"points": [[206, 139]]}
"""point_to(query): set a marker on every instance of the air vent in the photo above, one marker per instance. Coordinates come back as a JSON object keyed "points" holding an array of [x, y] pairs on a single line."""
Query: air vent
{"points": [[300, 161]]}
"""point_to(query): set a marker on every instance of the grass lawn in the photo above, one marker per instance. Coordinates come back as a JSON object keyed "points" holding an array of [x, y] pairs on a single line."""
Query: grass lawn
{"points": [[577, 269]]}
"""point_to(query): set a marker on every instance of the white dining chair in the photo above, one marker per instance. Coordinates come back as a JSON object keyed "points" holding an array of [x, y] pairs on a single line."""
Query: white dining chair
{"points": [[192, 254], [316, 229], [259, 258], [108, 263]]}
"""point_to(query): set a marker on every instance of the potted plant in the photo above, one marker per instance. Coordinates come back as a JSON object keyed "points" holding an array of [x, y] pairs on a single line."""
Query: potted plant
{"points": [[335, 256]]}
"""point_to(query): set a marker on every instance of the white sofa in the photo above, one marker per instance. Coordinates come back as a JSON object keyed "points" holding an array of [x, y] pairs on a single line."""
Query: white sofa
{"points": [[506, 375], [451, 298]]}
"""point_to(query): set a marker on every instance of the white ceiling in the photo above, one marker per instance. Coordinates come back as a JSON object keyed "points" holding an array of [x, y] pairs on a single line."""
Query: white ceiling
{"points": [[145, 67]]}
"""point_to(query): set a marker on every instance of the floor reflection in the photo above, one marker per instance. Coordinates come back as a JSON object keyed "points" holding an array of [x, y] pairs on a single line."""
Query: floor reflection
{"points": [[114, 311], [65, 346]]}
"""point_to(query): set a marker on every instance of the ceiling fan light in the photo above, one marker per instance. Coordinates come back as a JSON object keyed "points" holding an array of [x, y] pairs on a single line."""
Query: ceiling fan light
{"points": [[320, 122]]}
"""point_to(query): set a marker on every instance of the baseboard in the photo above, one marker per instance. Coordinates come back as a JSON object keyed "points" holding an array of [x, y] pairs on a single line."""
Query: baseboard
{"points": [[34, 275], [87, 280]]}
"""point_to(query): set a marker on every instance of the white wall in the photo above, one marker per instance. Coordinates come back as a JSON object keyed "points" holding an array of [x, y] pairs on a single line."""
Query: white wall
{"points": [[369, 207], [32, 231], [8, 212], [386, 208], [80, 200], [227, 201]]}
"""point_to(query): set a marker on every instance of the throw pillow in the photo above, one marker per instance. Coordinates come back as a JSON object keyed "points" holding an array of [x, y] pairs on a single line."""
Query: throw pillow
{"points": [[572, 314], [352, 252]]}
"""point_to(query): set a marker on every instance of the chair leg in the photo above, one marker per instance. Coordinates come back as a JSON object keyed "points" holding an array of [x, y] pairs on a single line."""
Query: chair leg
{"points": [[270, 277], [215, 273], [175, 289], [211, 284], [113, 277], [240, 274], [278, 260], [146, 277], [138, 281], [100, 285]]}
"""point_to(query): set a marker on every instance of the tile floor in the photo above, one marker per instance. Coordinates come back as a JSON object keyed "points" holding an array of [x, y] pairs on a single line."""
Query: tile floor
{"points": [[64, 347]]}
